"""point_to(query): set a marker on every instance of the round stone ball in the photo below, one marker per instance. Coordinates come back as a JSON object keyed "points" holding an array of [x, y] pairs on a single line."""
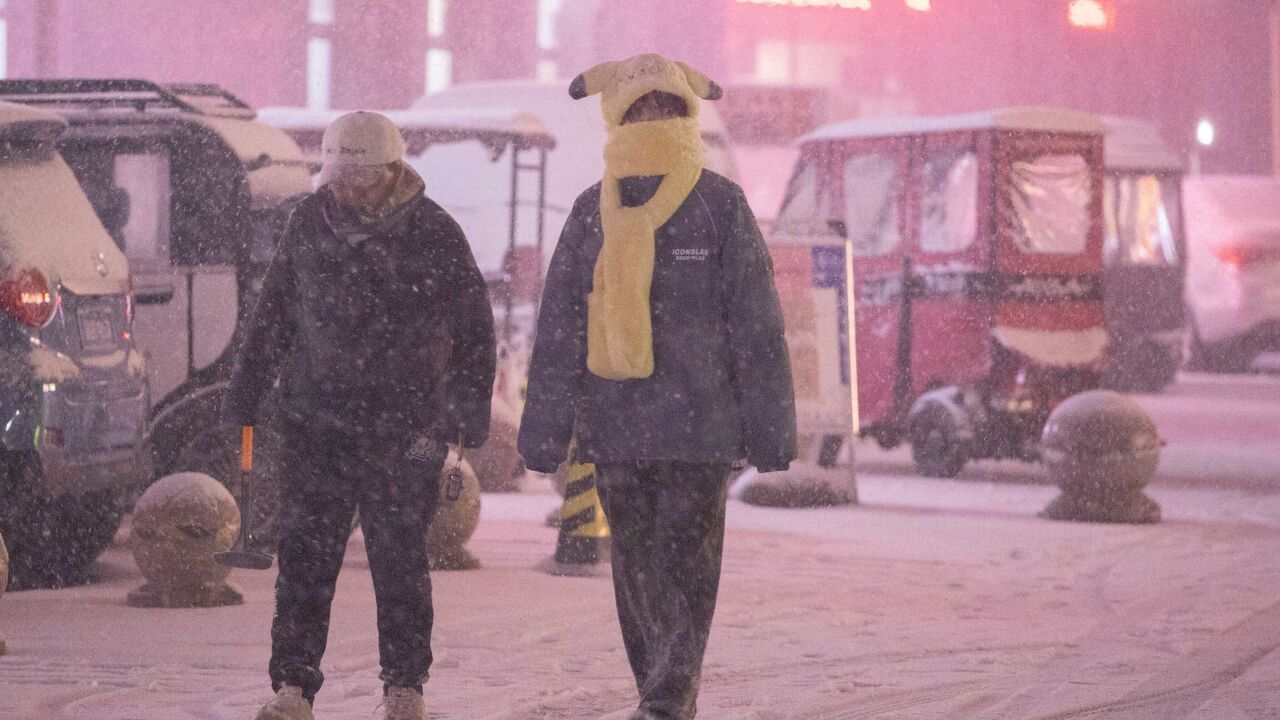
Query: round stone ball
{"points": [[1100, 439], [804, 484], [497, 462], [179, 523], [454, 521]]}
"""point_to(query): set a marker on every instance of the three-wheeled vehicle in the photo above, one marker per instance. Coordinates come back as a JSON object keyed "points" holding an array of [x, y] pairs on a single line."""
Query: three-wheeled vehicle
{"points": [[73, 385], [488, 169], [195, 191], [1144, 253], [977, 263]]}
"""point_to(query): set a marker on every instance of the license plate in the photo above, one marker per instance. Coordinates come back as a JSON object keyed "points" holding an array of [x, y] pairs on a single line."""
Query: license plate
{"points": [[96, 332]]}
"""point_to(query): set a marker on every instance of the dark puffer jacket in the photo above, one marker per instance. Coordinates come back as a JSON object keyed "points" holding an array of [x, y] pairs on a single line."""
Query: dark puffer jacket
{"points": [[721, 386], [392, 335]]}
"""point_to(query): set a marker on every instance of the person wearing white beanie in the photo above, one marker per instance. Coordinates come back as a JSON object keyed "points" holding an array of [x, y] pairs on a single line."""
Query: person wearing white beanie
{"points": [[377, 323]]}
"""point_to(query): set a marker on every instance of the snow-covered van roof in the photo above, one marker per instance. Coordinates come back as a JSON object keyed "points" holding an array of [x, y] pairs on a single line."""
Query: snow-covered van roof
{"points": [[1045, 119], [423, 127], [118, 96], [276, 167], [46, 222], [541, 98], [1135, 144]]}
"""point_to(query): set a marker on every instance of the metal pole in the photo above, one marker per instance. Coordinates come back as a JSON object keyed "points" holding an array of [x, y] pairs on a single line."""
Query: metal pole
{"points": [[1275, 86], [542, 212], [512, 266], [851, 329], [191, 323]]}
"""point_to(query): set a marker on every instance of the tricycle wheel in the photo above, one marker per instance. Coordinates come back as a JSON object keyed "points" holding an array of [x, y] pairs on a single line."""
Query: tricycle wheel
{"points": [[936, 446], [1147, 368]]}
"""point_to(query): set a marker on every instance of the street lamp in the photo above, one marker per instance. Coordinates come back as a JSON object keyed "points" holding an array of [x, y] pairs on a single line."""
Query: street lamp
{"points": [[1091, 14], [1206, 133]]}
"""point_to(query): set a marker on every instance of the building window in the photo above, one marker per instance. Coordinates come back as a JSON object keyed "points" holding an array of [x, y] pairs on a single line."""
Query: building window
{"points": [[773, 61], [320, 12], [436, 10], [548, 10], [816, 63], [548, 71], [4, 47], [439, 70], [319, 64]]}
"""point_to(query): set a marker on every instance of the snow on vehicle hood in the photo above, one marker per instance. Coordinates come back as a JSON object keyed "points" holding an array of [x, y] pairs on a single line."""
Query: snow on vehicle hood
{"points": [[1057, 348], [1237, 210], [47, 223]]}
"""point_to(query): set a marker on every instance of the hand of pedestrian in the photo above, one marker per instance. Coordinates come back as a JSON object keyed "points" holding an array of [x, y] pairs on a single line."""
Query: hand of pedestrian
{"points": [[426, 449]]}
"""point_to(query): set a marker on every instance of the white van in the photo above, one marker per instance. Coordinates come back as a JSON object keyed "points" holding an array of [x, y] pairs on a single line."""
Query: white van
{"points": [[480, 199]]}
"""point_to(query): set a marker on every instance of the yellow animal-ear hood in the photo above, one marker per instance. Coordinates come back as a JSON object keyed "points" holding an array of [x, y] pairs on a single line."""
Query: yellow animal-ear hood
{"points": [[621, 83]]}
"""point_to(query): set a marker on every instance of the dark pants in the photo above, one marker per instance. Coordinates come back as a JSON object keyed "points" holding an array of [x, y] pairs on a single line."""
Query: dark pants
{"points": [[667, 522], [325, 478]]}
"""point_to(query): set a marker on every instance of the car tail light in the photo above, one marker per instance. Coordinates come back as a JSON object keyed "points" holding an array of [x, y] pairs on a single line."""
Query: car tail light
{"points": [[28, 297], [1240, 257], [53, 436]]}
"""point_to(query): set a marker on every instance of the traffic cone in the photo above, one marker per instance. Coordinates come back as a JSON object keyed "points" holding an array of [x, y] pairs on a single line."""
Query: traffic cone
{"points": [[582, 544]]}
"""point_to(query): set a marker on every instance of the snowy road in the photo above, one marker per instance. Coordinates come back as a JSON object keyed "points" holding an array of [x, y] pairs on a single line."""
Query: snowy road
{"points": [[934, 599]]}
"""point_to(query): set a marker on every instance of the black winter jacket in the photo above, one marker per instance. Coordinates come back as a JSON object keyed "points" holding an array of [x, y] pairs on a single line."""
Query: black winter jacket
{"points": [[721, 386], [393, 335]]}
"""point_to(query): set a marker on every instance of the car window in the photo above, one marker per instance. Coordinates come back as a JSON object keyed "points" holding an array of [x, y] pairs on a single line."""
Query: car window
{"points": [[139, 217], [1142, 220], [950, 200], [803, 210], [871, 203], [1050, 198]]}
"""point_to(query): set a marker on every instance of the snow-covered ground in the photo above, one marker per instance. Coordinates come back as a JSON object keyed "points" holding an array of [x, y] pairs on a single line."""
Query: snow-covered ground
{"points": [[932, 599]]}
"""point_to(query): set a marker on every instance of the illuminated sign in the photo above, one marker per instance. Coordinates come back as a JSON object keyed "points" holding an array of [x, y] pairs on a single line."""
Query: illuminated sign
{"points": [[840, 4], [917, 5], [1091, 14]]}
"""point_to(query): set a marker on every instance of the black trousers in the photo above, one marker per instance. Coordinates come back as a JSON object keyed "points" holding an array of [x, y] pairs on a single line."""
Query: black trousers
{"points": [[326, 477], [667, 522]]}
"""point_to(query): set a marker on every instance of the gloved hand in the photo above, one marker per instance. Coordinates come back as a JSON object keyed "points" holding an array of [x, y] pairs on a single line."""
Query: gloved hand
{"points": [[425, 448]]}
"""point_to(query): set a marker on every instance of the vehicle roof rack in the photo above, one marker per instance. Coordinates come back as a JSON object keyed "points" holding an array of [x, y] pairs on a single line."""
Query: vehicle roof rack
{"points": [[127, 94]]}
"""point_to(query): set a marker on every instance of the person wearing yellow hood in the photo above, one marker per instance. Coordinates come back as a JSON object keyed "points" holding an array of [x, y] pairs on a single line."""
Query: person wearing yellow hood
{"points": [[376, 320], [660, 354]]}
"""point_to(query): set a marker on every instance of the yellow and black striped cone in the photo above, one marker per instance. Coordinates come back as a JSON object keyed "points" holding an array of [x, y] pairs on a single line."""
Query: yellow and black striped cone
{"points": [[582, 545]]}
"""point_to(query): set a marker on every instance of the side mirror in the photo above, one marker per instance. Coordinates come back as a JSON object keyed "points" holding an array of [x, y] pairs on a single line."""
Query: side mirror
{"points": [[839, 228]]}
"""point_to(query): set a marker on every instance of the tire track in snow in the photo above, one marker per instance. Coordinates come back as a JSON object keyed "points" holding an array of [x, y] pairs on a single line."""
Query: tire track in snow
{"points": [[1025, 697], [1178, 691]]}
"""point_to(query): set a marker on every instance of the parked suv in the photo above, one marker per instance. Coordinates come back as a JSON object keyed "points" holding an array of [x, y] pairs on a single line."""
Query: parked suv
{"points": [[73, 388], [196, 191]]}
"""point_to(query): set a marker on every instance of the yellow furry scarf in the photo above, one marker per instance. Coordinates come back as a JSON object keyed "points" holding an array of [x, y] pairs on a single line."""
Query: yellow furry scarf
{"points": [[619, 326]]}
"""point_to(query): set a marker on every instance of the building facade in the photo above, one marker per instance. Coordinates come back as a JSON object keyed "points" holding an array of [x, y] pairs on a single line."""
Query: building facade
{"points": [[315, 53], [1173, 61]]}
